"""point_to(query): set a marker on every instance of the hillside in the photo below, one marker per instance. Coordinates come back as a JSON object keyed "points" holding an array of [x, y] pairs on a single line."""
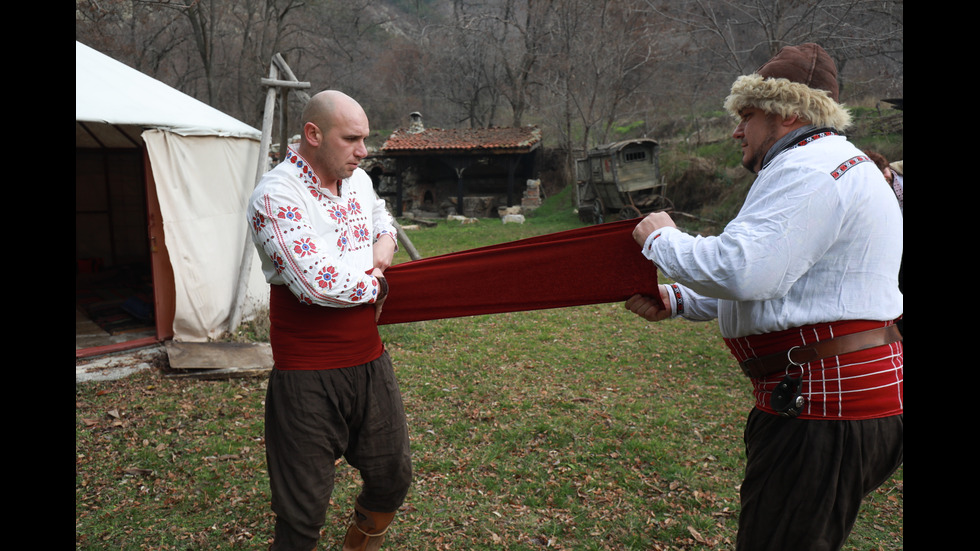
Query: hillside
{"points": [[701, 163]]}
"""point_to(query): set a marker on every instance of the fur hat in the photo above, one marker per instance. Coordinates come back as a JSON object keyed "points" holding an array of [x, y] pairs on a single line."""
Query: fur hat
{"points": [[799, 80]]}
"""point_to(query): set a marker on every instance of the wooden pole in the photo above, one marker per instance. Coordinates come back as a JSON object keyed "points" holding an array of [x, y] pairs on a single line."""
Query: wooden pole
{"points": [[281, 64], [267, 117], [405, 241], [283, 122]]}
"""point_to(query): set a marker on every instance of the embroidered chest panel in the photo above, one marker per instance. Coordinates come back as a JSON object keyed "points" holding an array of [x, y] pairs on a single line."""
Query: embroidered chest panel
{"points": [[342, 221]]}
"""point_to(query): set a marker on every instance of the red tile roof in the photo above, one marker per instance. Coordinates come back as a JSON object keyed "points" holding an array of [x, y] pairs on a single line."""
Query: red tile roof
{"points": [[464, 140]]}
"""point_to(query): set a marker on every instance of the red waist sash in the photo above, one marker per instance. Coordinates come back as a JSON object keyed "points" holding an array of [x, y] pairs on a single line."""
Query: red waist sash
{"points": [[590, 265], [305, 336], [865, 384]]}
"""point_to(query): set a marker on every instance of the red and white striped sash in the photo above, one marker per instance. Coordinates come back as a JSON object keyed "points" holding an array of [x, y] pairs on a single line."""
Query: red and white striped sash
{"points": [[858, 385]]}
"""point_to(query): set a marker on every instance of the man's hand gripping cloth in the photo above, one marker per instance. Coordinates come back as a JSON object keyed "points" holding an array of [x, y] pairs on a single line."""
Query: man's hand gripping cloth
{"points": [[590, 265]]}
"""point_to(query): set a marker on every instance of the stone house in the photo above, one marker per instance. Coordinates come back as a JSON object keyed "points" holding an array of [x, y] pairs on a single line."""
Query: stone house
{"points": [[470, 171]]}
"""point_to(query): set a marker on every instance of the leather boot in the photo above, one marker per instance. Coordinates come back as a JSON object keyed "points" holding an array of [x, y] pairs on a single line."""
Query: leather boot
{"points": [[367, 529]]}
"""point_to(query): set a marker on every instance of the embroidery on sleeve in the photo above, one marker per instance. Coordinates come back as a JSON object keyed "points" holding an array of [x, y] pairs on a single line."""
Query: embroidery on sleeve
{"points": [[847, 165]]}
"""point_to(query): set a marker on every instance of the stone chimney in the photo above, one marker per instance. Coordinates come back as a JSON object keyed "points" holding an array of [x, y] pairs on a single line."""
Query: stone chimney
{"points": [[416, 126]]}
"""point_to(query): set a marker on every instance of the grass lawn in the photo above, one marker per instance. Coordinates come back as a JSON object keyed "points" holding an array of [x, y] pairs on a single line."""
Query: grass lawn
{"points": [[582, 428]]}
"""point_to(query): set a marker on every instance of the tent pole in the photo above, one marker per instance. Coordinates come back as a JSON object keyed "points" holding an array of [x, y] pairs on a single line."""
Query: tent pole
{"points": [[270, 109]]}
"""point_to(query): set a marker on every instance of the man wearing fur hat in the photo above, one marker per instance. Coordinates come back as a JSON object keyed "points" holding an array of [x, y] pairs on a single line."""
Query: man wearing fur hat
{"points": [[804, 285]]}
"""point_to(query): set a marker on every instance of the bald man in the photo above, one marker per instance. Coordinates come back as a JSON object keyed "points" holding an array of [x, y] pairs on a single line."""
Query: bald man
{"points": [[325, 240]]}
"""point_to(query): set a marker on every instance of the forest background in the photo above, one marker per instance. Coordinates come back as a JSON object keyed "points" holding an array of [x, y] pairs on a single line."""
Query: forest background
{"points": [[586, 71]]}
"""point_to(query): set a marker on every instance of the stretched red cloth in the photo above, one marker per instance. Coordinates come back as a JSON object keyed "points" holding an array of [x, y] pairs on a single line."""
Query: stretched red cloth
{"points": [[590, 265]]}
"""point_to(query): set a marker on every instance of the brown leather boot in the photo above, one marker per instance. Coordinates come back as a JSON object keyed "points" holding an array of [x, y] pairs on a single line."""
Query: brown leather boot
{"points": [[367, 529]]}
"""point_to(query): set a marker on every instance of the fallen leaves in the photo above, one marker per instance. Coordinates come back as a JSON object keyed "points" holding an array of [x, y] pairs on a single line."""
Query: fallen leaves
{"points": [[518, 441]]}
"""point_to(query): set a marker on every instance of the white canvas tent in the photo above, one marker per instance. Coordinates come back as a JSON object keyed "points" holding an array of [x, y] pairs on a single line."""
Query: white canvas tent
{"points": [[193, 163]]}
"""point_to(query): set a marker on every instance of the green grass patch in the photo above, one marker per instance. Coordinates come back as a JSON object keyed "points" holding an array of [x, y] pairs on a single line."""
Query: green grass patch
{"points": [[555, 214]]}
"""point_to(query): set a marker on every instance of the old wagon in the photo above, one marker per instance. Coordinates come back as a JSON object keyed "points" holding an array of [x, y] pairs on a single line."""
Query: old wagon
{"points": [[620, 179]]}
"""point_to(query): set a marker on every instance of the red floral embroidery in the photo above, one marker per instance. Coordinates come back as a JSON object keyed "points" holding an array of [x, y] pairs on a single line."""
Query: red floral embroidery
{"points": [[278, 263], [361, 233], [327, 277], [353, 207], [290, 213], [304, 247], [258, 222], [358, 292]]}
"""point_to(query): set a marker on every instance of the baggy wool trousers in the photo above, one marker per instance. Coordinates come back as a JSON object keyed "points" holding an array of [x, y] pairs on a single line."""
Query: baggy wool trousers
{"points": [[315, 417], [805, 478]]}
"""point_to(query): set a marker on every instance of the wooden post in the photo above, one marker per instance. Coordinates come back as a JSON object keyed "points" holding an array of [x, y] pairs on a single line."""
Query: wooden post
{"points": [[282, 87], [283, 122], [270, 110], [405, 241]]}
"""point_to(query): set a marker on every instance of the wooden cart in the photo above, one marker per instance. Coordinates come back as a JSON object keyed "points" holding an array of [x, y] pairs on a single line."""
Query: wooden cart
{"points": [[622, 180]]}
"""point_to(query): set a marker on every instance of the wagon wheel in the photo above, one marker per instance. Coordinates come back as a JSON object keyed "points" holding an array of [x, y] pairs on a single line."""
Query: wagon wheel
{"points": [[598, 211], [661, 203], [629, 211], [592, 212]]}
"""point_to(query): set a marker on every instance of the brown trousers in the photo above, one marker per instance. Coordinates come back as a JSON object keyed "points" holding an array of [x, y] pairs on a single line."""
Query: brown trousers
{"points": [[312, 419]]}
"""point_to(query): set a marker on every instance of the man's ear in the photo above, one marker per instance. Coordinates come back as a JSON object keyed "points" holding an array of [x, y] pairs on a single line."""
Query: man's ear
{"points": [[795, 121], [312, 134]]}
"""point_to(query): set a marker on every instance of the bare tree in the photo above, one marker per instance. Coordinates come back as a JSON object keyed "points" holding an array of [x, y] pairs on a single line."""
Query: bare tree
{"points": [[460, 67], [738, 35], [268, 27], [606, 53], [517, 35], [203, 15], [580, 68], [485, 55], [130, 30]]}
